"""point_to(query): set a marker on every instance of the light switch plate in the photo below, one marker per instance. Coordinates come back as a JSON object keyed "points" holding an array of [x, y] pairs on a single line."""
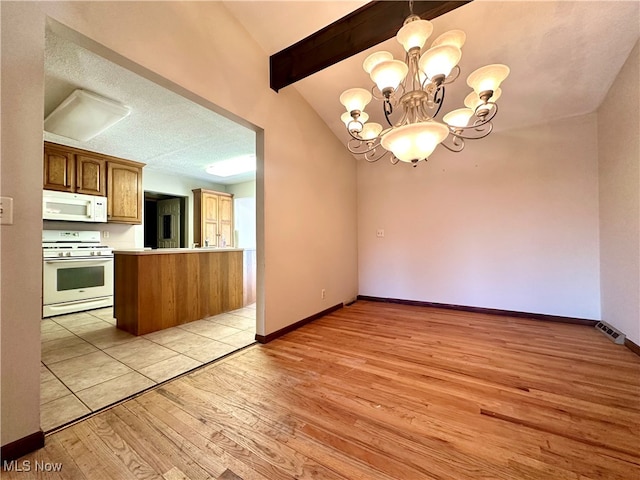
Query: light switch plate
{"points": [[6, 211]]}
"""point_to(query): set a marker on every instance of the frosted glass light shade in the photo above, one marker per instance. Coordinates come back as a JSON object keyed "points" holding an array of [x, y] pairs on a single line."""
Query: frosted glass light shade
{"points": [[455, 38], [473, 100], [370, 131], [439, 60], [389, 74], [414, 34], [458, 118], [233, 166], [374, 59], [415, 141], [84, 115], [347, 119], [355, 99], [488, 77]]}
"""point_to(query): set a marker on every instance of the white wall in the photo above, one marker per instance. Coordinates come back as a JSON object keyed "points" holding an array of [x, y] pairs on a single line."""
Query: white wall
{"points": [[509, 223], [243, 190], [306, 200], [21, 243], [244, 213], [619, 157]]}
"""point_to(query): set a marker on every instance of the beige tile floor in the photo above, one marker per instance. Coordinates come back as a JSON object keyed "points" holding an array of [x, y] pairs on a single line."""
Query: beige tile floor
{"points": [[88, 364]]}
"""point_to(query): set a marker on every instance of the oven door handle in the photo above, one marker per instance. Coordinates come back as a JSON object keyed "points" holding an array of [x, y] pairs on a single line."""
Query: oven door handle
{"points": [[84, 259]]}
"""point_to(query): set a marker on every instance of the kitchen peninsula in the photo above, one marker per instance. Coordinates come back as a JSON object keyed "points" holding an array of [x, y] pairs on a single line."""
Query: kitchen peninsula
{"points": [[157, 289]]}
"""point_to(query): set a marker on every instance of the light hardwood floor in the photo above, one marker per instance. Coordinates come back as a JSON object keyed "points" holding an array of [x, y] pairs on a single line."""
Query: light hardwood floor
{"points": [[380, 391]]}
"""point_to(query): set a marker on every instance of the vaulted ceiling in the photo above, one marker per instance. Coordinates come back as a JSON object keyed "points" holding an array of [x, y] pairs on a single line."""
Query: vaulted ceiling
{"points": [[563, 55]]}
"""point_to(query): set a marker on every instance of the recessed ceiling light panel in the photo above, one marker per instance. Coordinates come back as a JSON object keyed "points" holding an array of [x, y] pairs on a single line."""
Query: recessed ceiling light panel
{"points": [[84, 115], [233, 166]]}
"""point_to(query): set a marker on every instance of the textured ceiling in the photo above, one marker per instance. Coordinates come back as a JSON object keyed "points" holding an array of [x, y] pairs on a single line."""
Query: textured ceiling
{"points": [[164, 130], [563, 55]]}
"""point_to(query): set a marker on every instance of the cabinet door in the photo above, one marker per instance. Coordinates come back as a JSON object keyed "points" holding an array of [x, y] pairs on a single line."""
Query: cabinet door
{"points": [[90, 175], [210, 230], [213, 218], [59, 170], [225, 221], [210, 219], [124, 192], [210, 207]]}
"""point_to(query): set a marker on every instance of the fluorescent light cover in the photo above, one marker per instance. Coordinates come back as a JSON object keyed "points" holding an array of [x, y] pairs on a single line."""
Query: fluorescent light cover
{"points": [[83, 115], [233, 166]]}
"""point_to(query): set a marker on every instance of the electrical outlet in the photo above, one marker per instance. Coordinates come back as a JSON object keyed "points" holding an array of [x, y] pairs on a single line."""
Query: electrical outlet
{"points": [[6, 210], [380, 233], [323, 293], [105, 234]]}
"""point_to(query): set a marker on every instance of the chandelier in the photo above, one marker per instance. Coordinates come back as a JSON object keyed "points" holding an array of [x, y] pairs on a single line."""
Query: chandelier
{"points": [[417, 86]]}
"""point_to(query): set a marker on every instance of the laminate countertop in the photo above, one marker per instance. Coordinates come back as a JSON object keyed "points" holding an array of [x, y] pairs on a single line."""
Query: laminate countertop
{"points": [[164, 251]]}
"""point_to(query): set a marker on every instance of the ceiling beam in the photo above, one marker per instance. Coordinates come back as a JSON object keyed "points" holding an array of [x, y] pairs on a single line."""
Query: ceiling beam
{"points": [[370, 25]]}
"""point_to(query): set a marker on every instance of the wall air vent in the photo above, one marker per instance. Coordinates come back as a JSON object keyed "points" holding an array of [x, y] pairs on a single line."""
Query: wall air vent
{"points": [[614, 335]]}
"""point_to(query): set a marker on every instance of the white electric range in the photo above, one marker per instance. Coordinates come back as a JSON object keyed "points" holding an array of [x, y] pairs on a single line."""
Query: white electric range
{"points": [[77, 272]]}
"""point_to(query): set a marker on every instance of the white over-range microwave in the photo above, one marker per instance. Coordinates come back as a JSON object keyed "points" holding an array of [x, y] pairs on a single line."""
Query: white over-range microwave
{"points": [[73, 207]]}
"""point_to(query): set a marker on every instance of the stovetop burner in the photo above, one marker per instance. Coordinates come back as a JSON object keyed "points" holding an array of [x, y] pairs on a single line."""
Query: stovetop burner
{"points": [[63, 243]]}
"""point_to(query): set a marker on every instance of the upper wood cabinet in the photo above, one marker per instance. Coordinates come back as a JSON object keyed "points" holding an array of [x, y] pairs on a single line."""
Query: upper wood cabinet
{"points": [[225, 220], [213, 218], [70, 169], [124, 193], [59, 169], [91, 175]]}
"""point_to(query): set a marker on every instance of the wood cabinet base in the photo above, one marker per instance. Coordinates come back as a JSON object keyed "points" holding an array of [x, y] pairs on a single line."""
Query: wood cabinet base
{"points": [[153, 292]]}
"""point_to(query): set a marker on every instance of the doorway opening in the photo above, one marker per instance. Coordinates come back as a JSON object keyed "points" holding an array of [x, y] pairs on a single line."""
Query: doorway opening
{"points": [[165, 221], [129, 364]]}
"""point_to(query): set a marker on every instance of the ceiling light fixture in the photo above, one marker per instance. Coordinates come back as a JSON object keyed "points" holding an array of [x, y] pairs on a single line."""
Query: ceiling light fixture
{"points": [[83, 115], [233, 166], [418, 86]]}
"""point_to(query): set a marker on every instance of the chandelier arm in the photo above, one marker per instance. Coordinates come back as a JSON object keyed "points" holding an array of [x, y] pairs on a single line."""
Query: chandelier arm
{"points": [[457, 143], [387, 108], [424, 112], [374, 156], [488, 117], [426, 109], [481, 128], [438, 99], [453, 75], [394, 160], [354, 133], [403, 120], [376, 93], [476, 133], [360, 147]]}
